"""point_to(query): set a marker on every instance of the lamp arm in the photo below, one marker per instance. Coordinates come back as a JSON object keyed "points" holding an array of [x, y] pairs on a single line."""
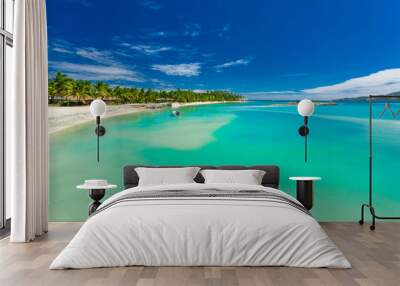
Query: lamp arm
{"points": [[98, 147], [305, 108], [98, 137], [305, 148], [305, 139], [99, 131]]}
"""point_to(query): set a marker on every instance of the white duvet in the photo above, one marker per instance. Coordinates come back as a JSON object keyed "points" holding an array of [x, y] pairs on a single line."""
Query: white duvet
{"points": [[193, 231]]}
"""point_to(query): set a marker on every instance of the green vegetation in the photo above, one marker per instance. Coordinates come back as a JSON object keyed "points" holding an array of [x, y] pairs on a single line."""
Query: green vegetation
{"points": [[66, 91]]}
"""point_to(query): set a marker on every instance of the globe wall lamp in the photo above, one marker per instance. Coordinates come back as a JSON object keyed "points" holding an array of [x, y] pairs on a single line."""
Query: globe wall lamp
{"points": [[306, 109], [97, 109]]}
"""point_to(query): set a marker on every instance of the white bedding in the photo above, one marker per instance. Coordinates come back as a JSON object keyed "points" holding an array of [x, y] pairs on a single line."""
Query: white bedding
{"points": [[200, 231]]}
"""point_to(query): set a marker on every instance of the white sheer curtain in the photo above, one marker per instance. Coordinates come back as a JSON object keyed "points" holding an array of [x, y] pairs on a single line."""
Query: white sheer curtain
{"points": [[27, 123]]}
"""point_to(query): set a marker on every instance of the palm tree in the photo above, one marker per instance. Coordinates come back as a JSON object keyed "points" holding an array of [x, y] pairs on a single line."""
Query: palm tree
{"points": [[83, 90], [118, 93], [102, 89], [51, 91], [61, 85]]}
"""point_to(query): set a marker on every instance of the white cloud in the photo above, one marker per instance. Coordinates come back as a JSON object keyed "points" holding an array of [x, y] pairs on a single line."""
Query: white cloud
{"points": [[239, 62], [147, 49], [96, 72], [226, 28], [381, 82], [102, 63], [147, 33], [90, 53], [195, 30], [61, 50], [102, 57], [153, 5], [188, 70], [200, 90], [162, 85], [188, 30], [61, 46], [378, 83], [158, 34], [192, 30]]}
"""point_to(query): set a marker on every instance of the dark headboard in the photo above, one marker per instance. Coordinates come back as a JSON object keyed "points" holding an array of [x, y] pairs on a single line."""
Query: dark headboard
{"points": [[271, 177]]}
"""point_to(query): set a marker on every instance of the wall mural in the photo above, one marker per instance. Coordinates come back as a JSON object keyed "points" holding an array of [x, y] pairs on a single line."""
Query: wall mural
{"points": [[234, 70]]}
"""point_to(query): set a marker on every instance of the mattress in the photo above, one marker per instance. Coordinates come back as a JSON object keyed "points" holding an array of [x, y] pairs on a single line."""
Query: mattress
{"points": [[201, 225]]}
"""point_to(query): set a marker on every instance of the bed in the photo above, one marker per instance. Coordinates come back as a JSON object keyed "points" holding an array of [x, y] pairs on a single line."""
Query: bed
{"points": [[198, 224]]}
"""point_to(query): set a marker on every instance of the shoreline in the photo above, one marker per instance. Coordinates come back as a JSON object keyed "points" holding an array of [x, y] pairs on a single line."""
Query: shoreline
{"points": [[64, 117]]}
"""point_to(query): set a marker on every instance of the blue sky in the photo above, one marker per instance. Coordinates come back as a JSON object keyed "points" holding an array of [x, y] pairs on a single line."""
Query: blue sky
{"points": [[262, 49]]}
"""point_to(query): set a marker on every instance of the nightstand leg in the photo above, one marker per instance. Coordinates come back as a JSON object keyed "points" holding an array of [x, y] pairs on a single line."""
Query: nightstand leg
{"points": [[96, 196], [305, 193]]}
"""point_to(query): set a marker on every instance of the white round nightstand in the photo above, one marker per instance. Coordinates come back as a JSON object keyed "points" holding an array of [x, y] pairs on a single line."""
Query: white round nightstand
{"points": [[97, 190]]}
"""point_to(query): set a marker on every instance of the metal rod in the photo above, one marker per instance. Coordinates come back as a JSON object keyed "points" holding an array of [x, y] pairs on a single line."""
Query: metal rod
{"points": [[98, 137], [305, 138], [370, 205], [98, 144], [305, 148], [370, 150]]}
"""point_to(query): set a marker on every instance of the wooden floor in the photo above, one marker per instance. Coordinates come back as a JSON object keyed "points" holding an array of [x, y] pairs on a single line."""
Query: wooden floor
{"points": [[375, 257]]}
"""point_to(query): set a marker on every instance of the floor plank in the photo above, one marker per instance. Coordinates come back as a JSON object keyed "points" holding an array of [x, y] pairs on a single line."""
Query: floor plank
{"points": [[375, 257]]}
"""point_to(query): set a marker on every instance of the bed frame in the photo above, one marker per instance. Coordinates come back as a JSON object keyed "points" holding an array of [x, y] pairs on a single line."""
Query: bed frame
{"points": [[271, 177]]}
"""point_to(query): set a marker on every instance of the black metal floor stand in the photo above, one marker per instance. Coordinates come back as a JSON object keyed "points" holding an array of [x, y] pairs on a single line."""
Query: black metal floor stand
{"points": [[370, 203]]}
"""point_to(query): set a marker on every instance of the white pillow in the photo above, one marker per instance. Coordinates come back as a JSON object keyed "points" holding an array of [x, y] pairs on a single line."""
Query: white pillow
{"points": [[248, 177], [166, 176]]}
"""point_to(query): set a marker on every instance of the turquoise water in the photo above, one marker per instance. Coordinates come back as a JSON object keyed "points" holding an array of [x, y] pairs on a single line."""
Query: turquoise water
{"points": [[238, 133]]}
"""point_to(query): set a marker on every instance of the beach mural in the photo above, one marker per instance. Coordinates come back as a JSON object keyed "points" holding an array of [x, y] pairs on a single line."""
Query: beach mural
{"points": [[235, 72]]}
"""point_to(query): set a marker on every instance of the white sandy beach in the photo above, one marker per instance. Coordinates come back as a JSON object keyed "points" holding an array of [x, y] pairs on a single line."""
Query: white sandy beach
{"points": [[63, 117]]}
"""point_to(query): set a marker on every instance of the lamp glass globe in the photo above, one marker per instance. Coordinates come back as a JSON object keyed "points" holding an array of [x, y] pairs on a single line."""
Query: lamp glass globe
{"points": [[305, 107], [97, 107]]}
